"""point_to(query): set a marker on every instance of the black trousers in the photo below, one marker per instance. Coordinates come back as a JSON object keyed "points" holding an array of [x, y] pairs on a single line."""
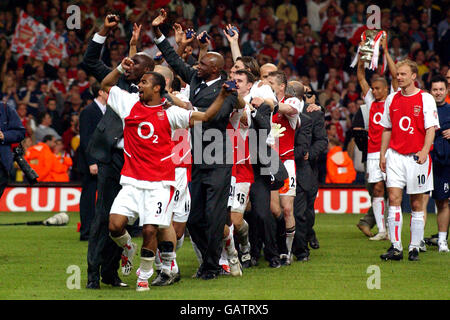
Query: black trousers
{"points": [[262, 224], [4, 178], [304, 215], [209, 197], [87, 203], [103, 254]]}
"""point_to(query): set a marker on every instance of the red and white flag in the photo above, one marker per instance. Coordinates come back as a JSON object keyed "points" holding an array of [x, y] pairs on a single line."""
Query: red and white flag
{"points": [[33, 39]]}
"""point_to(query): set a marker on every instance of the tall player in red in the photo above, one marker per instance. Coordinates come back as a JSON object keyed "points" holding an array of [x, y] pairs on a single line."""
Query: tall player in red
{"points": [[148, 175], [374, 97], [409, 121]]}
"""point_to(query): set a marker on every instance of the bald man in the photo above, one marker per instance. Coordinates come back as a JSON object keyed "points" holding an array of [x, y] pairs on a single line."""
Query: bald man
{"points": [[211, 167]]}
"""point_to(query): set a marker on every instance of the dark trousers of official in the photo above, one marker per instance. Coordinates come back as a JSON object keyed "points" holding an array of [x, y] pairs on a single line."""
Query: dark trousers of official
{"points": [[304, 215], [4, 178], [103, 254], [262, 224], [87, 203], [209, 197]]}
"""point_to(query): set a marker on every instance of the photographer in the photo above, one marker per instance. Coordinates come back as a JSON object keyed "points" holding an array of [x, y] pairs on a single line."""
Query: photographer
{"points": [[11, 131]]}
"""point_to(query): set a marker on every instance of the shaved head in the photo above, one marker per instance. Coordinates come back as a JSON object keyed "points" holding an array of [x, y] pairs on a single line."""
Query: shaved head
{"points": [[210, 66], [295, 89], [266, 69], [167, 73]]}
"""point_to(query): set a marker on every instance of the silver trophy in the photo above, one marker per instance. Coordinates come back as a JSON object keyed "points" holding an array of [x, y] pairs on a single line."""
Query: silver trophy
{"points": [[367, 48]]}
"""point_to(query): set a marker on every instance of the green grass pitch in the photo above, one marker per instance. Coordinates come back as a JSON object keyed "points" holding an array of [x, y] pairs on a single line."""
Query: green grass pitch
{"points": [[34, 264]]}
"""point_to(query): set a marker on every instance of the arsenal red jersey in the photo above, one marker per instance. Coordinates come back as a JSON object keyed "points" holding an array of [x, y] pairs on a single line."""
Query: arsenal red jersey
{"points": [[148, 145], [376, 109], [409, 117], [286, 142]]}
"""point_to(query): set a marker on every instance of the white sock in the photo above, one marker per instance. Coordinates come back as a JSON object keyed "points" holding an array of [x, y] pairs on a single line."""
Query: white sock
{"points": [[180, 243], [378, 212], [123, 241], [174, 266], [417, 226], [228, 243], [145, 269], [290, 239], [158, 262], [223, 257], [167, 259], [395, 226], [442, 236]]}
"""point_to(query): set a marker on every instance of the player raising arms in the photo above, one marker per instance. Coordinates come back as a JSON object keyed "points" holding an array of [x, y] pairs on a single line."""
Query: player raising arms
{"points": [[148, 175], [374, 97], [409, 121]]}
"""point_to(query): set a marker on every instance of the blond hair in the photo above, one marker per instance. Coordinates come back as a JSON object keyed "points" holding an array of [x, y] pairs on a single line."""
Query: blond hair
{"points": [[411, 64]]}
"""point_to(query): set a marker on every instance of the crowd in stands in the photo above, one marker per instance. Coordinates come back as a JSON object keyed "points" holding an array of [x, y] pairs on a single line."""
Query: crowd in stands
{"points": [[312, 41]]}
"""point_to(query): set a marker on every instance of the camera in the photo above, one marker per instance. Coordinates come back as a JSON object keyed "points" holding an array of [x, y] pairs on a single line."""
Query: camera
{"points": [[231, 85], [189, 34], [231, 32], [204, 37], [29, 173]]}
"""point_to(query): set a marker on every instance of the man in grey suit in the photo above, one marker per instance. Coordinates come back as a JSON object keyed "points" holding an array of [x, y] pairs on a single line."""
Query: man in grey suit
{"points": [[211, 171], [310, 141]]}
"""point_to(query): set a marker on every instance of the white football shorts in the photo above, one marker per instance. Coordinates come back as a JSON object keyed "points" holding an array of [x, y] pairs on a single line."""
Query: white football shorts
{"points": [[182, 196], [374, 173], [151, 206], [402, 170], [290, 168]]}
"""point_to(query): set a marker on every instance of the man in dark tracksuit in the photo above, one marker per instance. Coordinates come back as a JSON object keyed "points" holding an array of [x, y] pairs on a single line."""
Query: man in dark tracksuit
{"points": [[11, 131], [106, 146], [211, 172]]}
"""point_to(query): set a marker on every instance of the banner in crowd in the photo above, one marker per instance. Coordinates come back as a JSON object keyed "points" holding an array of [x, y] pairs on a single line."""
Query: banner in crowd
{"points": [[57, 199], [33, 39]]}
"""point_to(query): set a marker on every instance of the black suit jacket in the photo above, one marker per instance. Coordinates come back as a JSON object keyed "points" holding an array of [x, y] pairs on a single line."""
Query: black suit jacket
{"points": [[268, 162], [302, 146], [318, 145], [89, 119], [202, 100], [110, 128]]}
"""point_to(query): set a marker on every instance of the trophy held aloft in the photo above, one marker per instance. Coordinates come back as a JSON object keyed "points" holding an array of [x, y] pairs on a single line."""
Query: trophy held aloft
{"points": [[369, 50]]}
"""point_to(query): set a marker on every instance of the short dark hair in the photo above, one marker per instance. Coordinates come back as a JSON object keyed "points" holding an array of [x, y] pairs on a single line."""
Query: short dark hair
{"points": [[41, 116], [251, 64], [439, 78], [280, 75], [250, 76], [158, 80], [95, 87], [47, 137]]}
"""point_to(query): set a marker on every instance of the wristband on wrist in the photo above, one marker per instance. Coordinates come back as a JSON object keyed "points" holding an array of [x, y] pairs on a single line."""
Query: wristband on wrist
{"points": [[120, 69]]}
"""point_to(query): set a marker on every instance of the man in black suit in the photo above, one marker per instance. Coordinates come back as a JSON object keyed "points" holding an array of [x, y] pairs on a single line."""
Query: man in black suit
{"points": [[309, 144], [211, 168], [106, 146], [89, 118]]}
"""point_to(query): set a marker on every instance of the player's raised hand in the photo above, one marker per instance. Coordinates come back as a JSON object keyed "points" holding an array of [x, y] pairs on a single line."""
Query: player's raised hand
{"points": [[111, 21], [127, 64], [179, 34], [160, 18], [232, 33], [135, 35]]}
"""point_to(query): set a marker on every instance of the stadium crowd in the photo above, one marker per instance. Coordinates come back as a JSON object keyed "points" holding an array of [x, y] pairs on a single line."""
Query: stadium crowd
{"points": [[286, 43], [313, 42]]}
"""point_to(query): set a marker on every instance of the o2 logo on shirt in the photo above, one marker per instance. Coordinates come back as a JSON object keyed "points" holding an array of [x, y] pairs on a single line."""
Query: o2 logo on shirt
{"points": [[408, 127], [145, 131], [377, 118]]}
